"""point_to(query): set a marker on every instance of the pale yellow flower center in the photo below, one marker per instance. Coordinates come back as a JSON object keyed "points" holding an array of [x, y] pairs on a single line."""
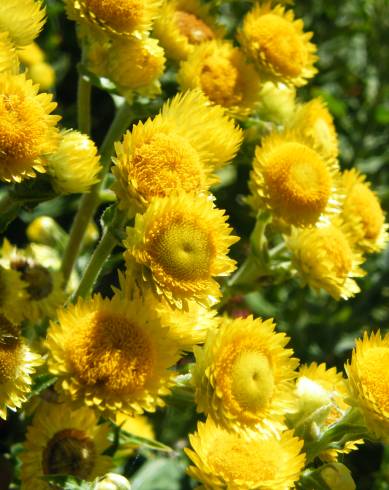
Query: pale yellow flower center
{"points": [[184, 250], [373, 367], [10, 350], [194, 29], [220, 80], [38, 278], [165, 164], [233, 459], [298, 183], [279, 44], [363, 203], [69, 452], [121, 15], [252, 380], [110, 352]]}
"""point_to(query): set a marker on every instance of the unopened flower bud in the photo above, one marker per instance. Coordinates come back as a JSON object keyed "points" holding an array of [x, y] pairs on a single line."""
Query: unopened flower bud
{"points": [[112, 481]]}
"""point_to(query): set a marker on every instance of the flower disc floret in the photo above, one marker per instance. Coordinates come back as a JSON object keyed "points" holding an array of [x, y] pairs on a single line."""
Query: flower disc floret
{"points": [[244, 376], [368, 374], [276, 43], [112, 354], [22, 20], [27, 130], [181, 244], [225, 459]]}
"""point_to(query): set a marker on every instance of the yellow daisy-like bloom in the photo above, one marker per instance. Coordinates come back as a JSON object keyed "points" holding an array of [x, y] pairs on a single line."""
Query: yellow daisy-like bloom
{"points": [[31, 54], [22, 19], [124, 18], [181, 243], [139, 425], [75, 165], [176, 151], [276, 102], [136, 66], [184, 24], [111, 355], [324, 258], [9, 62], [64, 441], [40, 72], [227, 460], [314, 120], [12, 294], [27, 130], [368, 375], [221, 71], [362, 213], [316, 387], [186, 328], [291, 179], [17, 365], [277, 45], [43, 284], [244, 375]]}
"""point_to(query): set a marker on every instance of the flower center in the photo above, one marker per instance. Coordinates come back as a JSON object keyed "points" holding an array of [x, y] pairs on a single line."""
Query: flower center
{"points": [[252, 380], [111, 352], [373, 368], [184, 250], [165, 164], [220, 81], [194, 29], [120, 15], [362, 202], [234, 460], [69, 452], [299, 183], [38, 278], [9, 350]]}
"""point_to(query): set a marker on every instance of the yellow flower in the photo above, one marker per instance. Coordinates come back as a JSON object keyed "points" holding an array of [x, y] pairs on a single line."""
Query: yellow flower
{"points": [[186, 328], [12, 294], [226, 460], [136, 66], [181, 244], [40, 72], [244, 375], [324, 258], [42, 282], [183, 24], [276, 102], [124, 18], [221, 71], [362, 213], [64, 441], [293, 180], [368, 375], [75, 165], [176, 151], [316, 388], [277, 44], [138, 425], [111, 355], [22, 19], [17, 364], [9, 62], [314, 120], [27, 130], [31, 54]]}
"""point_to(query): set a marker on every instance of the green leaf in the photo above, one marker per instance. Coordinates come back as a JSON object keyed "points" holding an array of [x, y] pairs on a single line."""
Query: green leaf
{"points": [[158, 474], [66, 482], [128, 438], [42, 382], [102, 83]]}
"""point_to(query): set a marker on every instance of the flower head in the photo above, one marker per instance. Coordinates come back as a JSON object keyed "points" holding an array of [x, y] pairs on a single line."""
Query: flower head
{"points": [[362, 213], [75, 165], [225, 459], [184, 24], [9, 62], [276, 102], [368, 375], [13, 294], [22, 19], [244, 375], [324, 258], [221, 71], [17, 364], [27, 129], [293, 180], [112, 355], [276, 43], [181, 244], [40, 72], [64, 441]]}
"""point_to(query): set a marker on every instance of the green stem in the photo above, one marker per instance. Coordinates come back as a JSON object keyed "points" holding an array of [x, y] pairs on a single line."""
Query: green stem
{"points": [[84, 105], [90, 201], [101, 253]]}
